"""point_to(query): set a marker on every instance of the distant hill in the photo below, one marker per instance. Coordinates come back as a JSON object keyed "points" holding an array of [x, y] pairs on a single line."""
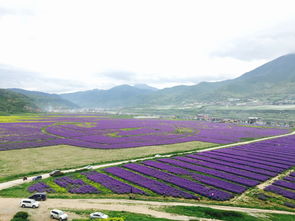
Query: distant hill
{"points": [[12, 102], [271, 82], [145, 87], [45, 101], [120, 96]]}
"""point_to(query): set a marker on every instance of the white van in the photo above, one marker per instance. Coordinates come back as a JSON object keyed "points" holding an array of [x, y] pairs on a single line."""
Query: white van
{"points": [[29, 203]]}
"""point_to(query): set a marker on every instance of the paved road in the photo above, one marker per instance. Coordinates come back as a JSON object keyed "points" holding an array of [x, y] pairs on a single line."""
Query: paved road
{"points": [[144, 207]]}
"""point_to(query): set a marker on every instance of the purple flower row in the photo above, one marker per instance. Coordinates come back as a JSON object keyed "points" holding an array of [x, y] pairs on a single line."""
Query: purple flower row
{"points": [[83, 189], [222, 158], [111, 183], [231, 187], [290, 178], [181, 182], [75, 185], [229, 155], [213, 172], [257, 157], [40, 187], [280, 191], [67, 181], [228, 169], [285, 184], [153, 185], [234, 165], [264, 152]]}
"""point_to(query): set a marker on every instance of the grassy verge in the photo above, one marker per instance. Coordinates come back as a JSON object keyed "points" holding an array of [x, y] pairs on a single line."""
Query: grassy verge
{"points": [[127, 216], [203, 212]]}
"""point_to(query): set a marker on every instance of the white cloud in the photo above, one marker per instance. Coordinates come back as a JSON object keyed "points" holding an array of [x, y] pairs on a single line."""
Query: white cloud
{"points": [[163, 42], [264, 44]]}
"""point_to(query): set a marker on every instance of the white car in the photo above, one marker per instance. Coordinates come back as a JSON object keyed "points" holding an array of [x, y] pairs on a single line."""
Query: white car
{"points": [[29, 203], [98, 215], [89, 167], [58, 214]]}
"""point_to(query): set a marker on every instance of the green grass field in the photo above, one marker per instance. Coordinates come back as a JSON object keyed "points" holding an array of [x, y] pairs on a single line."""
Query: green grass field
{"points": [[120, 215], [203, 212], [27, 161]]}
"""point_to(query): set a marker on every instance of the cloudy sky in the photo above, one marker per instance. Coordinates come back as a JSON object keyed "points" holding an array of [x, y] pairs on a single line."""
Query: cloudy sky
{"points": [[69, 45]]}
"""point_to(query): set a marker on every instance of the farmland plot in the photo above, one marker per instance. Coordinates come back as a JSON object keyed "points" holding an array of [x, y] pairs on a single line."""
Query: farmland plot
{"points": [[217, 175], [108, 133]]}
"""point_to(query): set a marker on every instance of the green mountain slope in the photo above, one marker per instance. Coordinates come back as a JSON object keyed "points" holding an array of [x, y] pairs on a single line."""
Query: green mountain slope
{"points": [[273, 81], [12, 102], [120, 96], [45, 101]]}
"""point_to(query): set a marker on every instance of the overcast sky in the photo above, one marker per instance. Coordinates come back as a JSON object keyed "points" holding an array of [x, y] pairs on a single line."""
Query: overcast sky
{"points": [[69, 45]]}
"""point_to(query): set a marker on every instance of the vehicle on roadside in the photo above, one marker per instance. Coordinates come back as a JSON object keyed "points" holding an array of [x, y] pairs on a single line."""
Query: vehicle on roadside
{"points": [[89, 167], [39, 196], [58, 214], [98, 215], [56, 173], [37, 178], [29, 203]]}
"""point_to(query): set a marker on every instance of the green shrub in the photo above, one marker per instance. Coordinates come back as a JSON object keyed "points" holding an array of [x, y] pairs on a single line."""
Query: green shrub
{"points": [[222, 214], [18, 219], [20, 216]]}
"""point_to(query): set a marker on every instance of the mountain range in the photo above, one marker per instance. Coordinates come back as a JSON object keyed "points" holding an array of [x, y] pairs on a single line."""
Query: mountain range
{"points": [[270, 83]]}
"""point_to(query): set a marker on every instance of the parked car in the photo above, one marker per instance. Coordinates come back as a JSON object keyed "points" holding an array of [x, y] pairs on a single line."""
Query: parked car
{"points": [[98, 215], [39, 196], [56, 173], [89, 167], [58, 214], [37, 178], [29, 203]]}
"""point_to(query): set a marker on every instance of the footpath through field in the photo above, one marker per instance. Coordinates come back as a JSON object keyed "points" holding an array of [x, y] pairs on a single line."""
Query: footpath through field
{"points": [[135, 206], [16, 182]]}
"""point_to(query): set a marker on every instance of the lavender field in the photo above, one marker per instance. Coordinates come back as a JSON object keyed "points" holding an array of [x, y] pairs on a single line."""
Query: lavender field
{"points": [[218, 175], [284, 187], [109, 133]]}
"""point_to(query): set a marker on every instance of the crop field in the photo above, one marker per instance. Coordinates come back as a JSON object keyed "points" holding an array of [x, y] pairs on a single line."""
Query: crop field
{"points": [[100, 132], [253, 174], [104, 139], [221, 175]]}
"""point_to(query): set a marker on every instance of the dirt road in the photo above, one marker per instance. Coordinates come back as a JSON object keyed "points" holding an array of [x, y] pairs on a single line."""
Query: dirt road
{"points": [[9, 206]]}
